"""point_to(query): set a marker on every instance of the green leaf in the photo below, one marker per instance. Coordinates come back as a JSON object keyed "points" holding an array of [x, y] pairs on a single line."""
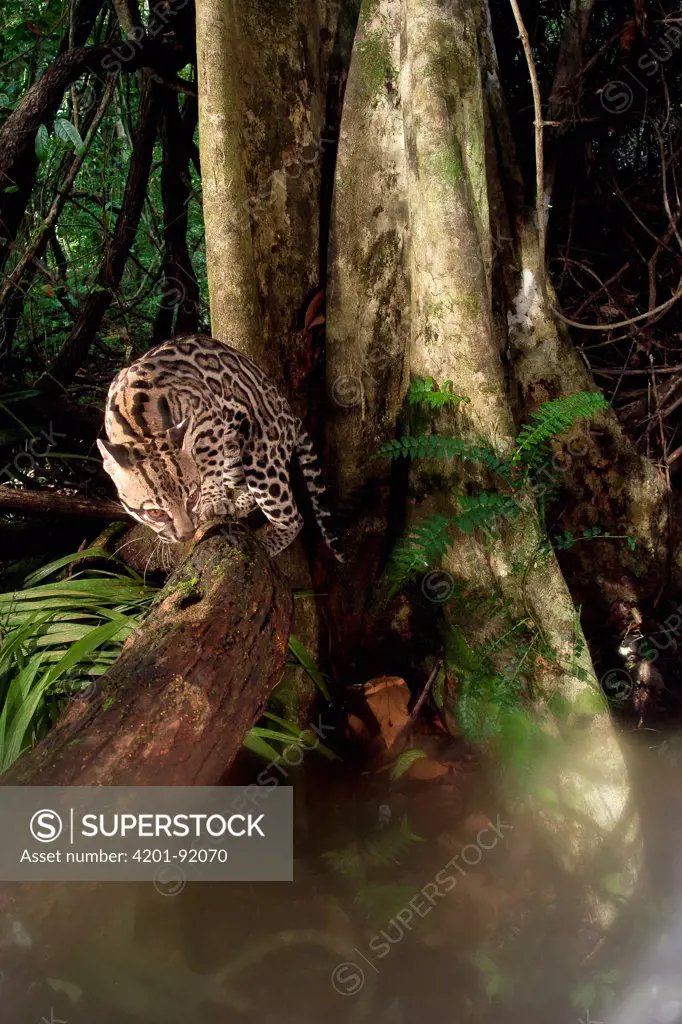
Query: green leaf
{"points": [[583, 996], [426, 394], [308, 662], [42, 143], [483, 962], [552, 419], [67, 132], [559, 706], [257, 745], [485, 511], [59, 563], [403, 761]]}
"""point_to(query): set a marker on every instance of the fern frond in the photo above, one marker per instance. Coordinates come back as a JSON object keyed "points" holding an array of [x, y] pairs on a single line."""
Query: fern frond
{"points": [[421, 549], [435, 446], [390, 844], [485, 511], [484, 703], [551, 419], [427, 395], [348, 861]]}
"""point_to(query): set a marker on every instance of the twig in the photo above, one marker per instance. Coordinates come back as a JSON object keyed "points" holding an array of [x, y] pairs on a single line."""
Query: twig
{"points": [[539, 152], [621, 323], [414, 714]]}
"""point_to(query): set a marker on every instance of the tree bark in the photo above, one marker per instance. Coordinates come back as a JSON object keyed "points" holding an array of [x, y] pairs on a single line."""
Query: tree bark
{"points": [[180, 288], [54, 504], [416, 278]]}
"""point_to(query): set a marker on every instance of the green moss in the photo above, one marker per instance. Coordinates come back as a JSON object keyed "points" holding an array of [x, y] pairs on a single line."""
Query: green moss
{"points": [[449, 165], [375, 59], [237, 554], [368, 10], [108, 703]]}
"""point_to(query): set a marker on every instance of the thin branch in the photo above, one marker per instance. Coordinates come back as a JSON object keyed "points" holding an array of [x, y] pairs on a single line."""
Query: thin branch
{"points": [[621, 323], [539, 152], [62, 194]]}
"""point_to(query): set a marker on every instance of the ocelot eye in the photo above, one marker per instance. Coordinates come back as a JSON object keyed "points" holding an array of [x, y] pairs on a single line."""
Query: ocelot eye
{"points": [[193, 496], [157, 515]]}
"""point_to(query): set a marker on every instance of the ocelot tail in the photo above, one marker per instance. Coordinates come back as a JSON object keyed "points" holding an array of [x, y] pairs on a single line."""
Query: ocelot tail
{"points": [[192, 421]]}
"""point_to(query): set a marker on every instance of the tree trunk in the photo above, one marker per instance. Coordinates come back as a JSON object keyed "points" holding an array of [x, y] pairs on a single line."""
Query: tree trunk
{"points": [[427, 192], [54, 504]]}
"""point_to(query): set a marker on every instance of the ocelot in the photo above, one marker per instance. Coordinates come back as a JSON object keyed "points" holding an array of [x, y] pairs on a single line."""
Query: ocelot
{"points": [[190, 422]]}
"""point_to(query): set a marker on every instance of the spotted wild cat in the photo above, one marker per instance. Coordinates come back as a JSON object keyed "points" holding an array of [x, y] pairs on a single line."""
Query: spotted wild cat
{"points": [[191, 421]]}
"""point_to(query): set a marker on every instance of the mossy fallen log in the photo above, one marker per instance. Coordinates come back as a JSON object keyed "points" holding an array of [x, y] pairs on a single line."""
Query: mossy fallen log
{"points": [[189, 684]]}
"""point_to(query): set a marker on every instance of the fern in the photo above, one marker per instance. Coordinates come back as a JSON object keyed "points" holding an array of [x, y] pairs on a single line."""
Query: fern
{"points": [[552, 419], [384, 848], [485, 701], [390, 844], [423, 547], [435, 446], [427, 395], [484, 511]]}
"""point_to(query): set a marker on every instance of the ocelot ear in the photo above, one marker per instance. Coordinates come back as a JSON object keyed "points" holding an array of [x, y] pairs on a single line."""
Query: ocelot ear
{"points": [[176, 435], [116, 454]]}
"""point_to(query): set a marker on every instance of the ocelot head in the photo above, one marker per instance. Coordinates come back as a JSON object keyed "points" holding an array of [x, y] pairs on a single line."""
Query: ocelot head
{"points": [[157, 481]]}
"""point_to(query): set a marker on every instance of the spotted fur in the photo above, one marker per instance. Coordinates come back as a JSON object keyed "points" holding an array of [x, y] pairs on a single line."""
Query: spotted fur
{"points": [[193, 421]]}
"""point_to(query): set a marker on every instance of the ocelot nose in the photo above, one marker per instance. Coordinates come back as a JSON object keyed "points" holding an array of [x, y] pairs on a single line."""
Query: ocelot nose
{"points": [[183, 528]]}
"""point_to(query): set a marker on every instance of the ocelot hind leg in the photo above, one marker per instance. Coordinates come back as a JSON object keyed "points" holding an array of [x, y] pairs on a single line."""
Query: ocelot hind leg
{"points": [[268, 481]]}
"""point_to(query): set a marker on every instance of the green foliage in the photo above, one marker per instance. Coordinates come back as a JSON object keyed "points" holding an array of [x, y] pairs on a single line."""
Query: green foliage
{"points": [[428, 396], [491, 685], [490, 972], [597, 992], [404, 761], [492, 681], [383, 848], [31, 35], [57, 639], [435, 446], [305, 658], [359, 861], [426, 543], [531, 446], [485, 511], [423, 547], [67, 132]]}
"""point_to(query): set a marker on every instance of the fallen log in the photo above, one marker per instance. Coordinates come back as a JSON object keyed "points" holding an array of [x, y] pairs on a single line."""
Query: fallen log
{"points": [[173, 710], [189, 684], [14, 499]]}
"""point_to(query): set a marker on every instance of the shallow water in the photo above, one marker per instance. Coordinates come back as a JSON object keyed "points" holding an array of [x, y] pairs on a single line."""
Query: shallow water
{"points": [[475, 922]]}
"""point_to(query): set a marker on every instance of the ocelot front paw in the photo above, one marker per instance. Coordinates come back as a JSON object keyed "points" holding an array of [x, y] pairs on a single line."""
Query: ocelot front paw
{"points": [[215, 509]]}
